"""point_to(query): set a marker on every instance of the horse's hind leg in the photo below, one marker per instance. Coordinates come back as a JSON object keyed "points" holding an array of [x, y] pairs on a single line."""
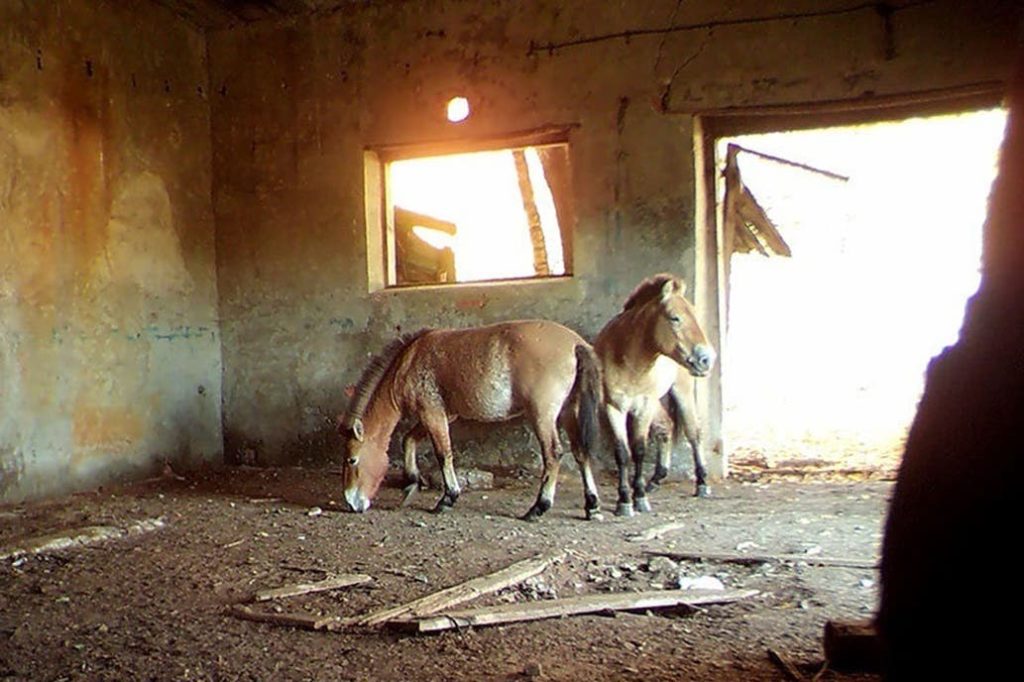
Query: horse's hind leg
{"points": [[687, 407], [591, 501], [617, 422], [551, 449], [437, 427], [661, 434]]}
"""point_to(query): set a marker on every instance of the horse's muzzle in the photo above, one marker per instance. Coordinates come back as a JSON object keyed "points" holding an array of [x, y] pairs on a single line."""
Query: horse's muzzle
{"points": [[700, 361], [357, 501]]}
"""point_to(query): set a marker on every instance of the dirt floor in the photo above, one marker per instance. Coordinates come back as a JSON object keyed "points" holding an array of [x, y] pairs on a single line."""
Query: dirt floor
{"points": [[153, 606]]}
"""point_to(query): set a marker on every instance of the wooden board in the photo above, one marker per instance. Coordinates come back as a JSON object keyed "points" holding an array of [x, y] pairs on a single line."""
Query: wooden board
{"points": [[457, 594], [554, 608], [79, 537], [730, 558], [333, 583]]}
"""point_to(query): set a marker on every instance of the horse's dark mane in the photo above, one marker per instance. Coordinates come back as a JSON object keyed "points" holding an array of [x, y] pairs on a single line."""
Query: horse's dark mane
{"points": [[372, 376], [647, 290]]}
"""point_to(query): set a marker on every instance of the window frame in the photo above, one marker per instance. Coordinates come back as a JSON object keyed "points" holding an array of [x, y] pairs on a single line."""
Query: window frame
{"points": [[381, 254]]}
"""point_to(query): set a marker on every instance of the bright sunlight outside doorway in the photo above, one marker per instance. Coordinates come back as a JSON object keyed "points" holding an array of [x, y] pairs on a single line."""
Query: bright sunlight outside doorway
{"points": [[825, 351]]}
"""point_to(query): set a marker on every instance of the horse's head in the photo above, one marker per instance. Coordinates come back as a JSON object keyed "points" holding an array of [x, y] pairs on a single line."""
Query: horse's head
{"points": [[677, 333], [364, 466]]}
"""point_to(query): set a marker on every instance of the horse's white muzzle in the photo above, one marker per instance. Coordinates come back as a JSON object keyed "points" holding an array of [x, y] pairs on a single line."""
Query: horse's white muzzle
{"points": [[357, 501], [701, 360]]}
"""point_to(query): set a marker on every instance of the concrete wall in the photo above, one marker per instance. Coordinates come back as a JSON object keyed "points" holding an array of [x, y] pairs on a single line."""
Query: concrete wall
{"points": [[294, 104], [109, 340]]}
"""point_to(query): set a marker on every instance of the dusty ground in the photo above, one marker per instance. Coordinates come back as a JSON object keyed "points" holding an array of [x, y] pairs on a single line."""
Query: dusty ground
{"points": [[153, 607]]}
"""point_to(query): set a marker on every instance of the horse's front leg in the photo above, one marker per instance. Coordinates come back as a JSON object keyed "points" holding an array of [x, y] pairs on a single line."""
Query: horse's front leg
{"points": [[617, 422], [639, 430], [413, 480], [437, 426]]}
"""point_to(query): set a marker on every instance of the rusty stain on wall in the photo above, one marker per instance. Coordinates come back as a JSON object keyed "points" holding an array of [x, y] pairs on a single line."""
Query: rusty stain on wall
{"points": [[107, 286]]}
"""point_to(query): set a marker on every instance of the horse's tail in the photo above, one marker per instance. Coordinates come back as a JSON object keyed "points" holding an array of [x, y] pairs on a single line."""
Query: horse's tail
{"points": [[588, 391]]}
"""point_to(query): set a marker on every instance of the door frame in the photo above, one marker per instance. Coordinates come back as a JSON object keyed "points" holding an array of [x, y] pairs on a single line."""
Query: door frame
{"points": [[709, 126]]}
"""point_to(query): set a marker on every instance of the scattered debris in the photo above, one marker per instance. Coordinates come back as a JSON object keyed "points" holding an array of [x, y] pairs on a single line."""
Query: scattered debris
{"points": [[661, 564], [535, 587], [314, 511], [786, 665], [533, 670], [79, 538], [554, 608], [656, 532], [704, 582], [729, 558], [333, 583]]}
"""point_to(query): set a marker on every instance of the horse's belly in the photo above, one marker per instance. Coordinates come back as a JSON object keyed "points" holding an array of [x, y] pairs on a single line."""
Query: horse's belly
{"points": [[494, 401]]}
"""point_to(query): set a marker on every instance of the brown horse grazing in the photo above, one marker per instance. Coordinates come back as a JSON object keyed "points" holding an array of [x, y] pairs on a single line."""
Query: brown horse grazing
{"points": [[538, 369], [680, 412], [641, 350]]}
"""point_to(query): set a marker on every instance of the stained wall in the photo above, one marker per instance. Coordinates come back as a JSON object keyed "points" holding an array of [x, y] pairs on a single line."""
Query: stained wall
{"points": [[109, 338]]}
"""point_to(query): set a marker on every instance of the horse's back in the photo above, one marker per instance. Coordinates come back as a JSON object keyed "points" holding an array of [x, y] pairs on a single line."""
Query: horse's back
{"points": [[494, 372]]}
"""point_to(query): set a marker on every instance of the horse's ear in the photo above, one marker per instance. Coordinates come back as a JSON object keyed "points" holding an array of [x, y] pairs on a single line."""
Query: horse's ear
{"points": [[357, 430], [672, 287]]}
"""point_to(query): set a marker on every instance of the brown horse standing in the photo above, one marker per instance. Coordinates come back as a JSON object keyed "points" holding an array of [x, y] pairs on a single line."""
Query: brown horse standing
{"points": [[538, 369], [641, 351]]}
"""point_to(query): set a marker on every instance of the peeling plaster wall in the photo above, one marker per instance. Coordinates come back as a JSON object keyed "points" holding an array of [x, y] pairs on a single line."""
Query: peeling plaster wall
{"points": [[294, 104], [109, 340]]}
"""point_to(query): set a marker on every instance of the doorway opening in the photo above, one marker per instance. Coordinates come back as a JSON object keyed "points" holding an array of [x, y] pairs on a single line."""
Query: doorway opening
{"points": [[824, 348]]}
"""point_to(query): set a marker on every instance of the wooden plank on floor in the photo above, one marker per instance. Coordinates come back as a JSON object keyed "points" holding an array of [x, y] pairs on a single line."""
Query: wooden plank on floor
{"points": [[458, 594], [79, 537], [332, 583], [572, 606], [655, 532], [737, 558], [298, 620]]}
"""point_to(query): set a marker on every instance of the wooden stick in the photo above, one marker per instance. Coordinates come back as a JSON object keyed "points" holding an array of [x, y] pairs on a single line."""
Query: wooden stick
{"points": [[79, 537], [554, 608], [729, 558], [298, 620], [463, 592], [656, 532], [334, 583], [786, 665]]}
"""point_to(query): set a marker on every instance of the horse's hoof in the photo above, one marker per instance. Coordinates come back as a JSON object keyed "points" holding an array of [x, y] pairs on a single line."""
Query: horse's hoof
{"points": [[624, 509], [642, 505], [702, 491], [652, 486], [442, 508], [410, 491], [530, 517], [594, 515]]}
